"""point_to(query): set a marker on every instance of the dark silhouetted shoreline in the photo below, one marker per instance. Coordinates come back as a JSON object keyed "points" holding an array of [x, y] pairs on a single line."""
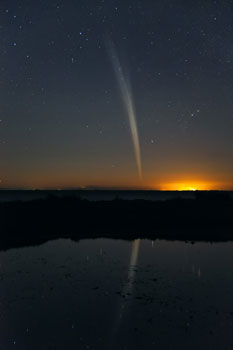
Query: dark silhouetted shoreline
{"points": [[209, 217]]}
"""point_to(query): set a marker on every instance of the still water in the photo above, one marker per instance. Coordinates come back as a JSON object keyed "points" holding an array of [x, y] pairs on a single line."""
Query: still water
{"points": [[109, 294]]}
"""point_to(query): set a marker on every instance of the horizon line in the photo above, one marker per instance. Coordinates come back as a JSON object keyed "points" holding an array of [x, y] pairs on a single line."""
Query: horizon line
{"points": [[93, 188]]}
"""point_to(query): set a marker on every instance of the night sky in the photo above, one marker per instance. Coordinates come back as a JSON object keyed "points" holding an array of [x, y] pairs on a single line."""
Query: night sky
{"points": [[63, 121]]}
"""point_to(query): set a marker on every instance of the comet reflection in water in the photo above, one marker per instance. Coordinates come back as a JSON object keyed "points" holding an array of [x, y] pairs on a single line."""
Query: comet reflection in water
{"points": [[125, 90], [129, 284], [132, 265]]}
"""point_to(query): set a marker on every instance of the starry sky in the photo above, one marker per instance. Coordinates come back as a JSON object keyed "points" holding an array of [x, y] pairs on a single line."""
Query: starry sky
{"points": [[63, 123]]}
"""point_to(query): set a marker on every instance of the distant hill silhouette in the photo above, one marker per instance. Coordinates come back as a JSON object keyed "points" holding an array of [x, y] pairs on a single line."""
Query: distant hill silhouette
{"points": [[208, 217]]}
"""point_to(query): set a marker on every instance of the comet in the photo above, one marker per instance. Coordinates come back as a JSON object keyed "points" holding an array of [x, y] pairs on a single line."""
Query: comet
{"points": [[125, 90]]}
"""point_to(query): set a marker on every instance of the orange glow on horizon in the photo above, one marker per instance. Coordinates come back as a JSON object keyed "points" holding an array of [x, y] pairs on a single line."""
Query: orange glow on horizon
{"points": [[191, 186], [162, 182]]}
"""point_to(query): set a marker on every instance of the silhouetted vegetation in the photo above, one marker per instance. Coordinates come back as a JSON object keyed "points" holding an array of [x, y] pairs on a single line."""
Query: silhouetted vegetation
{"points": [[208, 217]]}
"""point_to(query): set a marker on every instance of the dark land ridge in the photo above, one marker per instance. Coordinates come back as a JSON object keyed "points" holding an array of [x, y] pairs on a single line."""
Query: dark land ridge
{"points": [[208, 217]]}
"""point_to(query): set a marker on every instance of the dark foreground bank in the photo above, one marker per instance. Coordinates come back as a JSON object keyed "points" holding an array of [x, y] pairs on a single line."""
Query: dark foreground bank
{"points": [[208, 217]]}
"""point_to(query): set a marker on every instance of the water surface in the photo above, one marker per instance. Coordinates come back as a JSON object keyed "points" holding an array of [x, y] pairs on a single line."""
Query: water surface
{"points": [[109, 294]]}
